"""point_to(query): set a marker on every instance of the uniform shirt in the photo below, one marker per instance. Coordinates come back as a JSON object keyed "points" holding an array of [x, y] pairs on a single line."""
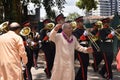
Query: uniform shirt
{"points": [[43, 33], [106, 43], [12, 51], [104, 33], [78, 33]]}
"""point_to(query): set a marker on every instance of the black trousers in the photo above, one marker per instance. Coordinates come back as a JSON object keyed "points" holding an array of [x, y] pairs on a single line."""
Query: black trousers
{"points": [[35, 56], [84, 62], [97, 57], [27, 71], [106, 68], [49, 51]]}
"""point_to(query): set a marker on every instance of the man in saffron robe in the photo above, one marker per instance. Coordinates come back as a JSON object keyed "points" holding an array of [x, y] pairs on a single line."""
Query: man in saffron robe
{"points": [[66, 43], [118, 60], [12, 52]]}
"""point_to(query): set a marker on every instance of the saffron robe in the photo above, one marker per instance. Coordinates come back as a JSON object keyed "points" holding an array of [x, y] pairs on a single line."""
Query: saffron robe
{"points": [[118, 60], [12, 51], [63, 68]]}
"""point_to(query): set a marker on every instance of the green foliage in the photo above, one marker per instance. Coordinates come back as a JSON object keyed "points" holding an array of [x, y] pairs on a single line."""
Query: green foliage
{"points": [[10, 8], [48, 7], [60, 4], [72, 16], [1, 11], [80, 4], [48, 4], [87, 4], [36, 1]]}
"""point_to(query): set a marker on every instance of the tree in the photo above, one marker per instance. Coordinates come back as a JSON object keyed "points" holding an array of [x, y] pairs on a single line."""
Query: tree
{"points": [[12, 10], [15, 10], [87, 4], [72, 16], [1, 12], [48, 4]]}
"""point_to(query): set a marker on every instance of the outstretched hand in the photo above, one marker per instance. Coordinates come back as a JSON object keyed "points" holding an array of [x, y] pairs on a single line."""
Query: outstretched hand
{"points": [[90, 50]]}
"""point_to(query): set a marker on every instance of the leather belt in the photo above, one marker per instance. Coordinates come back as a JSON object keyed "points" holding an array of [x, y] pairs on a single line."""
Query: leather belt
{"points": [[84, 42], [109, 40]]}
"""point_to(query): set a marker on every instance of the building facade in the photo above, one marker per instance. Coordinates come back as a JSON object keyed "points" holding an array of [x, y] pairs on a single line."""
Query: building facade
{"points": [[105, 8], [118, 6]]}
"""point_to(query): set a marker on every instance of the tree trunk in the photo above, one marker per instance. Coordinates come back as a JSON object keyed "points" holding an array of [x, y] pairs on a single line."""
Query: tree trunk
{"points": [[12, 10], [24, 14], [1, 12], [16, 11], [6, 4]]}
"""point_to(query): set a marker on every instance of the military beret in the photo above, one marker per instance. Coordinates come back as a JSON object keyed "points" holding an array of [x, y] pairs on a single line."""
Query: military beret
{"points": [[79, 19], [26, 23], [46, 21], [59, 17], [106, 20]]}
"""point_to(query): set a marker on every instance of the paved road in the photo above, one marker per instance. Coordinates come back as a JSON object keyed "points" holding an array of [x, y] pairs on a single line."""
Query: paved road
{"points": [[40, 75]]}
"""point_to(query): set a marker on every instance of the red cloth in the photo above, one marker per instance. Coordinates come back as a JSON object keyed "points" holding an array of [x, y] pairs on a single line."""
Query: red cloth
{"points": [[83, 38], [25, 43], [45, 38], [105, 26], [97, 34], [26, 24], [110, 36], [35, 44], [118, 60]]}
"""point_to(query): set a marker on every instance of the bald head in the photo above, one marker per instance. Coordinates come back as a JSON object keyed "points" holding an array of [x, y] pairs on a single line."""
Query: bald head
{"points": [[67, 29], [65, 25], [14, 25]]}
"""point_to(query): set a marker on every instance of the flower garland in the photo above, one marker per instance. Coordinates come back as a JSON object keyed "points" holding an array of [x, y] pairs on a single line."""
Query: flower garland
{"points": [[68, 40]]}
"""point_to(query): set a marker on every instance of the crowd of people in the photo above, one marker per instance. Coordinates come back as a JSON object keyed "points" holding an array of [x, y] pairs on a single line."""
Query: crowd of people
{"points": [[62, 44]]}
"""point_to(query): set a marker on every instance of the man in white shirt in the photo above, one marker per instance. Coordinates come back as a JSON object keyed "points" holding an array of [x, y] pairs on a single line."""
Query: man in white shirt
{"points": [[66, 43]]}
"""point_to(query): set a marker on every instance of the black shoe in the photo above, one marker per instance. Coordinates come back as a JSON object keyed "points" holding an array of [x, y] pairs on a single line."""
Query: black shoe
{"points": [[102, 75], [108, 78]]}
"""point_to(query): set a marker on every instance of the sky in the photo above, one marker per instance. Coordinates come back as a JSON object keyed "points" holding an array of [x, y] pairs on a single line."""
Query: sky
{"points": [[69, 8]]}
